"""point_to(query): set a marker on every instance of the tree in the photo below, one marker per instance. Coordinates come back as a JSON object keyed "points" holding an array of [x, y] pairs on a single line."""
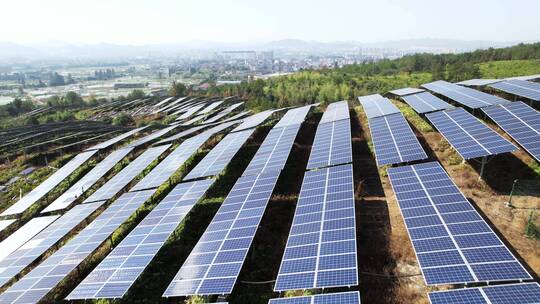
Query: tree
{"points": [[123, 119], [178, 89], [136, 94]]}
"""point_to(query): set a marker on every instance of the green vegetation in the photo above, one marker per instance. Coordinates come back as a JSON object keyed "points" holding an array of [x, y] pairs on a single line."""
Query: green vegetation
{"points": [[123, 119], [509, 68], [178, 89]]}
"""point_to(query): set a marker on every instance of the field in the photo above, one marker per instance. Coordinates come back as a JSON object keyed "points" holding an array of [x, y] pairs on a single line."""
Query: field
{"points": [[509, 68]]}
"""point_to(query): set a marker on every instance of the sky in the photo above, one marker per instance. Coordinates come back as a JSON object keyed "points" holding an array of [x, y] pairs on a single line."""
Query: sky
{"points": [[173, 21]]}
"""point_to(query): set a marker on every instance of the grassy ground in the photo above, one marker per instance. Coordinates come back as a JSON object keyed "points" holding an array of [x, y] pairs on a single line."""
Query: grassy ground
{"points": [[509, 68]]}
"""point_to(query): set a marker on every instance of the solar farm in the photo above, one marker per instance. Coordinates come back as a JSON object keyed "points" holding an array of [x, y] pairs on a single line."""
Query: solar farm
{"points": [[426, 189]]}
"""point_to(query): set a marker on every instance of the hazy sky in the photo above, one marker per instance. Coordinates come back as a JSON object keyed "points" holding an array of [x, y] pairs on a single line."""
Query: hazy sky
{"points": [[170, 21]]}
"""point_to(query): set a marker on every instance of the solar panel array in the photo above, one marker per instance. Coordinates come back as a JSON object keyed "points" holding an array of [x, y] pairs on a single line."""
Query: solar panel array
{"points": [[466, 96], [214, 264], [525, 293], [224, 112], [218, 158], [332, 145], [522, 88], [152, 137], [171, 105], [24, 233], [254, 120], [293, 117], [181, 134], [521, 122], [118, 271], [166, 168], [237, 116], [124, 177], [18, 260], [179, 109], [52, 181], [164, 101], [478, 82], [116, 139], [192, 110], [193, 120], [87, 181], [394, 140], [336, 111], [377, 107], [44, 277], [211, 107], [5, 223], [426, 102], [406, 91], [468, 135], [453, 243], [321, 249], [352, 297], [274, 151]]}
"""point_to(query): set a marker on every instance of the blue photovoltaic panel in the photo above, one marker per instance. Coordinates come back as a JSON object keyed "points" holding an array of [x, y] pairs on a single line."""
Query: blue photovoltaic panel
{"points": [[190, 111], [521, 122], [211, 107], [118, 271], [294, 117], [377, 107], [522, 88], [124, 177], [35, 247], [478, 82], [254, 120], [406, 91], [332, 145], [152, 136], [274, 151], [5, 223], [171, 105], [524, 293], [166, 168], [164, 101], [86, 182], [453, 243], [52, 181], [426, 102], [38, 282], [336, 111], [394, 140], [223, 113], [214, 264], [193, 120], [218, 158], [321, 249], [116, 139], [352, 297], [466, 96], [181, 134], [468, 135]]}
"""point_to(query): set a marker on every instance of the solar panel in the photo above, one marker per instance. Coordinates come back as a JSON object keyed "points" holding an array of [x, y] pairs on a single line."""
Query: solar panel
{"points": [[370, 98], [274, 151], [18, 260], [86, 182], [170, 105], [181, 134], [377, 107], [466, 96], [522, 88], [190, 112], [394, 140], [426, 102], [116, 139], [211, 107], [321, 249], [527, 78], [5, 223], [193, 120], [237, 116], [294, 117], [118, 271], [52, 181], [124, 177], [521, 122], [183, 108], [335, 111], [254, 120], [164, 101], [151, 137], [478, 82], [24, 233], [524, 293], [218, 158], [468, 135], [406, 91], [215, 262], [224, 112], [44, 277], [332, 145], [163, 171], [352, 297], [453, 243]]}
